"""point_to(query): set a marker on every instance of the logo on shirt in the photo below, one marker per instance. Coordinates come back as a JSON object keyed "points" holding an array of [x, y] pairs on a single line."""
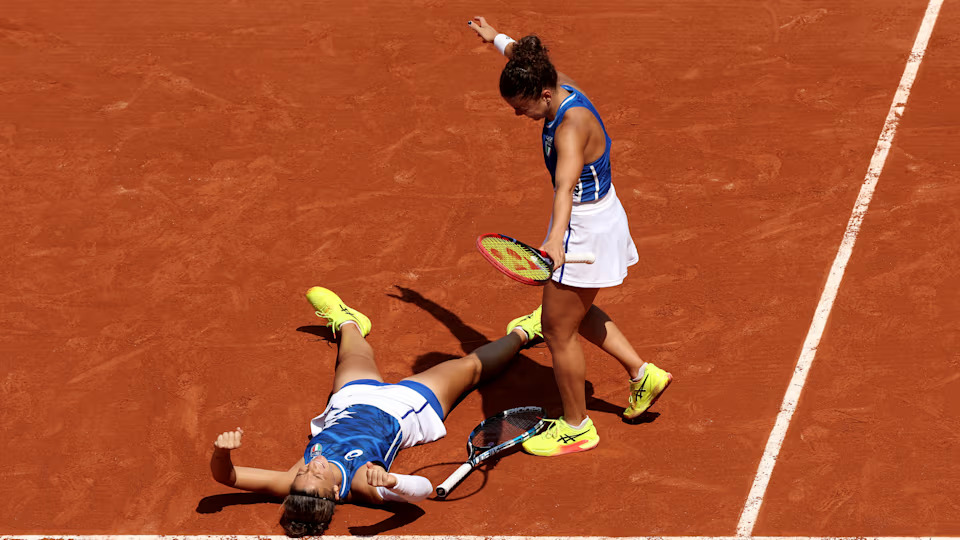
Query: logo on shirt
{"points": [[353, 454], [547, 145]]}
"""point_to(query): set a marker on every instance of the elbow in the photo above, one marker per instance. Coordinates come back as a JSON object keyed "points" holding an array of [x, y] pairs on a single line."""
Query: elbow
{"points": [[223, 475]]}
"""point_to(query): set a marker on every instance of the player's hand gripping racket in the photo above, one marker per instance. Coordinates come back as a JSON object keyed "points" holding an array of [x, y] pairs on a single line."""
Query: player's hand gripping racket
{"points": [[521, 262], [492, 436]]}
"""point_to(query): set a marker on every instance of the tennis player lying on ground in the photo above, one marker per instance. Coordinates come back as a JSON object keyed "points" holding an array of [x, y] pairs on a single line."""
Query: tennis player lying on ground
{"points": [[356, 438]]}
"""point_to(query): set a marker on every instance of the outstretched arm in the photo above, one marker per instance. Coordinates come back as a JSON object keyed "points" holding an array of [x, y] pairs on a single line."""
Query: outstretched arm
{"points": [[246, 478], [489, 35], [397, 487]]}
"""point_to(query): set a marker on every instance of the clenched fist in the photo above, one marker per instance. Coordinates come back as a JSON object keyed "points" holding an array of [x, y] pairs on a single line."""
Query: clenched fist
{"points": [[229, 440], [377, 476]]}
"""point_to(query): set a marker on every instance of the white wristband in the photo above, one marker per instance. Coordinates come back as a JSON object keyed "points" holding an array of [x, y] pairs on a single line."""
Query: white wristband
{"points": [[501, 42], [408, 489]]}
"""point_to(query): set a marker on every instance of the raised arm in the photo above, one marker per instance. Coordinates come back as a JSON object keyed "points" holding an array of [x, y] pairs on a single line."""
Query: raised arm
{"points": [[505, 44], [246, 478], [489, 34]]}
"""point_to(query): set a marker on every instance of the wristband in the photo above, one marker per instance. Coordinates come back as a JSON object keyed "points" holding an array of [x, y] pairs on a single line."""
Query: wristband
{"points": [[408, 489], [501, 42]]}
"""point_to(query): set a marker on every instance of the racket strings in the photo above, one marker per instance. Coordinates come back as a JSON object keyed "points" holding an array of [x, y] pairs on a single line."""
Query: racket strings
{"points": [[516, 258], [506, 428]]}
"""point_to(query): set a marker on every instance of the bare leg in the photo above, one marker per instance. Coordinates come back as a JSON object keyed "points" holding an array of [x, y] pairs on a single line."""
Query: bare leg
{"points": [[354, 358], [599, 329], [563, 310], [451, 379]]}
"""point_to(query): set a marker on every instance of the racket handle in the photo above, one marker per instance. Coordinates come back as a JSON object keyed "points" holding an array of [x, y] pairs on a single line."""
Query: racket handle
{"points": [[587, 258], [447, 486]]}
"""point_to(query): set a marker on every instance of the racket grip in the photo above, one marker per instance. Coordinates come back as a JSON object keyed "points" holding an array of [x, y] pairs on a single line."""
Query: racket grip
{"points": [[447, 486], [587, 258]]}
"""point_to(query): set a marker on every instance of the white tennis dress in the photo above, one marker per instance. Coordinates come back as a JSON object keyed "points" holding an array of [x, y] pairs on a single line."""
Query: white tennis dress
{"points": [[598, 222]]}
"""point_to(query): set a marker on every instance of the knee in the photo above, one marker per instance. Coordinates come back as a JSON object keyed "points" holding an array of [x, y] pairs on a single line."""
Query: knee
{"points": [[471, 364], [559, 334]]}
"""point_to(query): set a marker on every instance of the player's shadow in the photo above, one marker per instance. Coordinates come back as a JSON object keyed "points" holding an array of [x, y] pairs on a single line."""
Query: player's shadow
{"points": [[401, 513], [216, 503], [525, 377]]}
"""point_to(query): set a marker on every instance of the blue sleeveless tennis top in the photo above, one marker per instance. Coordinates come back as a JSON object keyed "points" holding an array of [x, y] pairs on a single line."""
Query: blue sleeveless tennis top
{"points": [[595, 177], [352, 437]]}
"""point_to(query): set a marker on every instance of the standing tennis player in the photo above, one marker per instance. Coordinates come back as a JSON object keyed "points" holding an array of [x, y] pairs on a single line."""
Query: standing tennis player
{"points": [[366, 422], [587, 218]]}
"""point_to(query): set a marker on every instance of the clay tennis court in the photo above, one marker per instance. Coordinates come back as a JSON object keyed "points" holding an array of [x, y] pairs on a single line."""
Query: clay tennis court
{"points": [[175, 175]]}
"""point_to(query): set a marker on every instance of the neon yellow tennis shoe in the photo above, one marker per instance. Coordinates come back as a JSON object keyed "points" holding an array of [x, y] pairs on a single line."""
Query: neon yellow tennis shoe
{"points": [[329, 306], [645, 392], [561, 438], [530, 324]]}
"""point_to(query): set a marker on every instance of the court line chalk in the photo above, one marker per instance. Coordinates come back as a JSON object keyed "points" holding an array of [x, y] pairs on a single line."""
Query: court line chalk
{"points": [[449, 537], [748, 517]]}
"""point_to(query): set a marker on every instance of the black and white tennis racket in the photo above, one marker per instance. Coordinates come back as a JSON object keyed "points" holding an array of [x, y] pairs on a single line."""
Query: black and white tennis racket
{"points": [[492, 436], [520, 261]]}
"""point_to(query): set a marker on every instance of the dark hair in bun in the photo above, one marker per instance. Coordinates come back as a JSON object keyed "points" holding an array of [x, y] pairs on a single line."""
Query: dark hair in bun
{"points": [[529, 71]]}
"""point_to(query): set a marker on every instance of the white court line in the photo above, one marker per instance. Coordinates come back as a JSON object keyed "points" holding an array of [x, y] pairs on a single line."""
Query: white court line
{"points": [[748, 517], [380, 537]]}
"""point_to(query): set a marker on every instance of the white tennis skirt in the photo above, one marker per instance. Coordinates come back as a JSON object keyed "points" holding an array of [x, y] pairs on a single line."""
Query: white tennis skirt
{"points": [[419, 421], [598, 227]]}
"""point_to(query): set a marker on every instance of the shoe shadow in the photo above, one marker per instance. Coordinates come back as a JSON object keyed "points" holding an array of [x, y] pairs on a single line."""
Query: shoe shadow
{"points": [[600, 405], [644, 418], [322, 332]]}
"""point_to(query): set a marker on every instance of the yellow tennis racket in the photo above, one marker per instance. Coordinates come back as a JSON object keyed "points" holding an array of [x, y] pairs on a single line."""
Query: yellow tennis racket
{"points": [[521, 262]]}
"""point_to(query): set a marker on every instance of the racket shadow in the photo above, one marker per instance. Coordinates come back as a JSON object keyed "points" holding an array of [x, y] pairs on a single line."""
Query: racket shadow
{"points": [[514, 387]]}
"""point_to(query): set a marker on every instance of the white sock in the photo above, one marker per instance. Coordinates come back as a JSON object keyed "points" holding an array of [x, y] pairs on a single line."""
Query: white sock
{"points": [[581, 426], [350, 322], [525, 333], [643, 369]]}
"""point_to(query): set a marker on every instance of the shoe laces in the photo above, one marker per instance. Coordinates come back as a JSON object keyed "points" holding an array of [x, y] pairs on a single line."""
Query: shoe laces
{"points": [[553, 430], [325, 314]]}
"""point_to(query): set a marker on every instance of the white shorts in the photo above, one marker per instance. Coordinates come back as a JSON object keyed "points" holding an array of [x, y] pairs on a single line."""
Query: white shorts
{"points": [[598, 227], [413, 404]]}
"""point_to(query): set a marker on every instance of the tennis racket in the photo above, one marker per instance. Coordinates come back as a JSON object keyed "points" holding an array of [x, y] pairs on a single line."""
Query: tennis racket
{"points": [[521, 262], [492, 436]]}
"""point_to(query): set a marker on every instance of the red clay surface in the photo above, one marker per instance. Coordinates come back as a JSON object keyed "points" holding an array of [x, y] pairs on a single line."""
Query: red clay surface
{"points": [[871, 445], [175, 176]]}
